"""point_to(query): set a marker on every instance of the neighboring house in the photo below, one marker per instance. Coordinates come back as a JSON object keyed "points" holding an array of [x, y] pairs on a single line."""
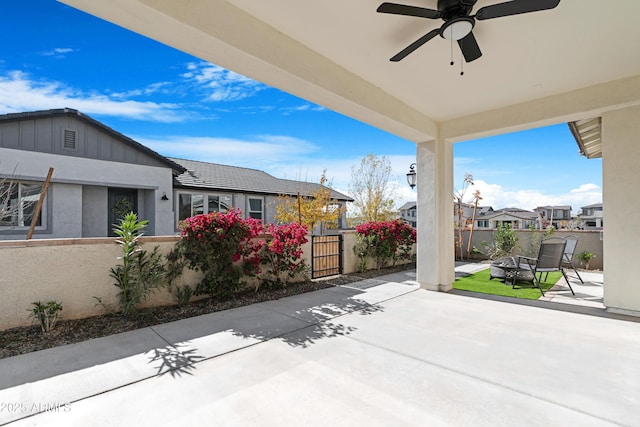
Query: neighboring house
{"points": [[209, 187], [408, 213], [592, 217], [467, 212], [518, 219], [558, 216], [98, 173]]}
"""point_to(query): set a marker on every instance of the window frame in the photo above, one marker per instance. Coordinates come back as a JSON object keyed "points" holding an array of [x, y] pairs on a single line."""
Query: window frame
{"points": [[20, 221], [250, 212], [204, 204]]}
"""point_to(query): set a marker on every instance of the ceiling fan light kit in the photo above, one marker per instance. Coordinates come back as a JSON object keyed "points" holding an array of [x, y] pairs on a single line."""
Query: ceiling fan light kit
{"points": [[459, 22], [457, 29]]}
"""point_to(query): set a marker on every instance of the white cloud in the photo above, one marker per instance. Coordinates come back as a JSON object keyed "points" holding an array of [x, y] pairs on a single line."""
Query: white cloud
{"points": [[302, 108], [146, 91], [18, 93], [494, 195], [260, 152], [281, 156], [58, 52], [220, 84]]}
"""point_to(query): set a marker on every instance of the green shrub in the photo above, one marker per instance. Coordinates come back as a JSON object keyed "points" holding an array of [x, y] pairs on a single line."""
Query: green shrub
{"points": [[183, 294], [47, 314], [141, 273], [504, 241]]}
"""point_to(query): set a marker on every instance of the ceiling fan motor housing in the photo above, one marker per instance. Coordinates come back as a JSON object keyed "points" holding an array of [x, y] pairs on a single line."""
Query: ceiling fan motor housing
{"points": [[455, 8]]}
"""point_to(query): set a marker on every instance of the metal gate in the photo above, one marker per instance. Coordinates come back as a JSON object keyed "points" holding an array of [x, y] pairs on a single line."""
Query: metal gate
{"points": [[326, 255]]}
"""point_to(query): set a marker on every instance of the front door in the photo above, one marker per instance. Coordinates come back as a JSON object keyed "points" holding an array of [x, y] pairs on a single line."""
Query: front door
{"points": [[121, 202]]}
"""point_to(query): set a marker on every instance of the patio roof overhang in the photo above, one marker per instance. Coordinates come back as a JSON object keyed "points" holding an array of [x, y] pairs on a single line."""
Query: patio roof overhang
{"points": [[535, 69], [588, 136], [569, 64]]}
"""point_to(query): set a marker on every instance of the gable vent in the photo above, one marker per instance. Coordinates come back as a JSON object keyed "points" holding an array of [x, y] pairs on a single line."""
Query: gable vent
{"points": [[69, 139]]}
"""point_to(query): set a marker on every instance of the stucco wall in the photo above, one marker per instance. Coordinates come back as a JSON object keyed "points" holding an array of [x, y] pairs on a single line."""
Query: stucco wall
{"points": [[74, 271], [73, 171], [587, 241], [95, 216]]}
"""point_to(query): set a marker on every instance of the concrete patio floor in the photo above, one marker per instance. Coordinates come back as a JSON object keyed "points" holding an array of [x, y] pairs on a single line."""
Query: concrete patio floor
{"points": [[378, 352]]}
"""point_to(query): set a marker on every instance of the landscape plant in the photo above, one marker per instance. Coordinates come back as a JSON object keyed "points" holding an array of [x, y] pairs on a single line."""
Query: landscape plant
{"points": [[282, 255], [372, 189], [586, 257], [221, 245], [141, 272], [504, 241], [317, 208], [384, 242], [226, 249], [537, 236], [46, 314], [183, 294]]}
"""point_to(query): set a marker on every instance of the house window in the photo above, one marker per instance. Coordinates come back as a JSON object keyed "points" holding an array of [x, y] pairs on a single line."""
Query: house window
{"points": [[483, 223], [18, 202], [194, 204], [255, 208], [219, 203]]}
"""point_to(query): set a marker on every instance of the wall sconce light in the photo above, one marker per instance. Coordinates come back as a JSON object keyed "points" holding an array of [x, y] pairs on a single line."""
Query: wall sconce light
{"points": [[164, 197], [412, 176]]}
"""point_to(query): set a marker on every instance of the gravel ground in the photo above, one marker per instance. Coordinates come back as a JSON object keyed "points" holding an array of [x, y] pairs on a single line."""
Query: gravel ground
{"points": [[27, 339]]}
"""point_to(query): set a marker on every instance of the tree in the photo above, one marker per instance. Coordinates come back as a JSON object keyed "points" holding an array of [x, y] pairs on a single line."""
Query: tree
{"points": [[371, 190], [476, 198], [318, 208], [17, 205], [461, 222]]}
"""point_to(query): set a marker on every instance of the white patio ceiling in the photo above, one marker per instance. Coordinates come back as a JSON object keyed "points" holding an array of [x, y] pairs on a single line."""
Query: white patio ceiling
{"points": [[565, 64]]}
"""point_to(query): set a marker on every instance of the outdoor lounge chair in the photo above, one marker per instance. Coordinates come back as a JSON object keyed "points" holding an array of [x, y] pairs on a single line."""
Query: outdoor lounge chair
{"points": [[550, 258], [569, 250], [572, 242]]}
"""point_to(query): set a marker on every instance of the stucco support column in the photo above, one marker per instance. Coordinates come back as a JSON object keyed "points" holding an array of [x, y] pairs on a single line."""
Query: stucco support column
{"points": [[621, 180], [435, 263]]}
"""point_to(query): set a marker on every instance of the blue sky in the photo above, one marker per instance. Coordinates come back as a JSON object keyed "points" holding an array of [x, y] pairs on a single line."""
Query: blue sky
{"points": [[54, 56]]}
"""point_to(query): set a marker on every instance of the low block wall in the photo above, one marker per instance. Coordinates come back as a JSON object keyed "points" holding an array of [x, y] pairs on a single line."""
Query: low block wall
{"points": [[74, 271], [587, 241], [71, 271]]}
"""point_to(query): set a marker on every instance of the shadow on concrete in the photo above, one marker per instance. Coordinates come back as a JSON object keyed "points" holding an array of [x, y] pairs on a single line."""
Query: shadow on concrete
{"points": [[321, 321], [174, 360]]}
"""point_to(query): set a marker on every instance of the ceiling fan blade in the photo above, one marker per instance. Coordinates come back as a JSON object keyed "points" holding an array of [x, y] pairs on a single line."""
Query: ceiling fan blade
{"points": [[514, 7], [416, 44], [401, 9], [469, 47]]}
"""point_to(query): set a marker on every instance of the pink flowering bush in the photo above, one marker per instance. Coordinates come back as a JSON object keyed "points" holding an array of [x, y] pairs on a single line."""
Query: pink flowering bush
{"points": [[223, 247], [226, 249], [282, 256], [384, 241]]}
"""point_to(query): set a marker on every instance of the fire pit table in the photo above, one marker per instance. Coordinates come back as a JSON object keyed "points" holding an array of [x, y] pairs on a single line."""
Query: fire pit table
{"points": [[505, 269]]}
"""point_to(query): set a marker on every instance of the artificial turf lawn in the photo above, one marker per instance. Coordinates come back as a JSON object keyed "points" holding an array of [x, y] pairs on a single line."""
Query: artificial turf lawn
{"points": [[479, 282]]}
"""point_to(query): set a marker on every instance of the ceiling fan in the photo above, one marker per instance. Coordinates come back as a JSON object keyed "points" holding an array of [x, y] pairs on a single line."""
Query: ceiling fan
{"points": [[458, 21]]}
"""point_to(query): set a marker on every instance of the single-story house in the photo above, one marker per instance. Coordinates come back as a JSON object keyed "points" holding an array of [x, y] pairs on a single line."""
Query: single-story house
{"points": [[518, 219], [99, 173], [209, 187]]}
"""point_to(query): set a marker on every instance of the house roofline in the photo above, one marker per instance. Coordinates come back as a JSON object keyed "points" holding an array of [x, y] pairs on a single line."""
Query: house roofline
{"points": [[90, 120]]}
